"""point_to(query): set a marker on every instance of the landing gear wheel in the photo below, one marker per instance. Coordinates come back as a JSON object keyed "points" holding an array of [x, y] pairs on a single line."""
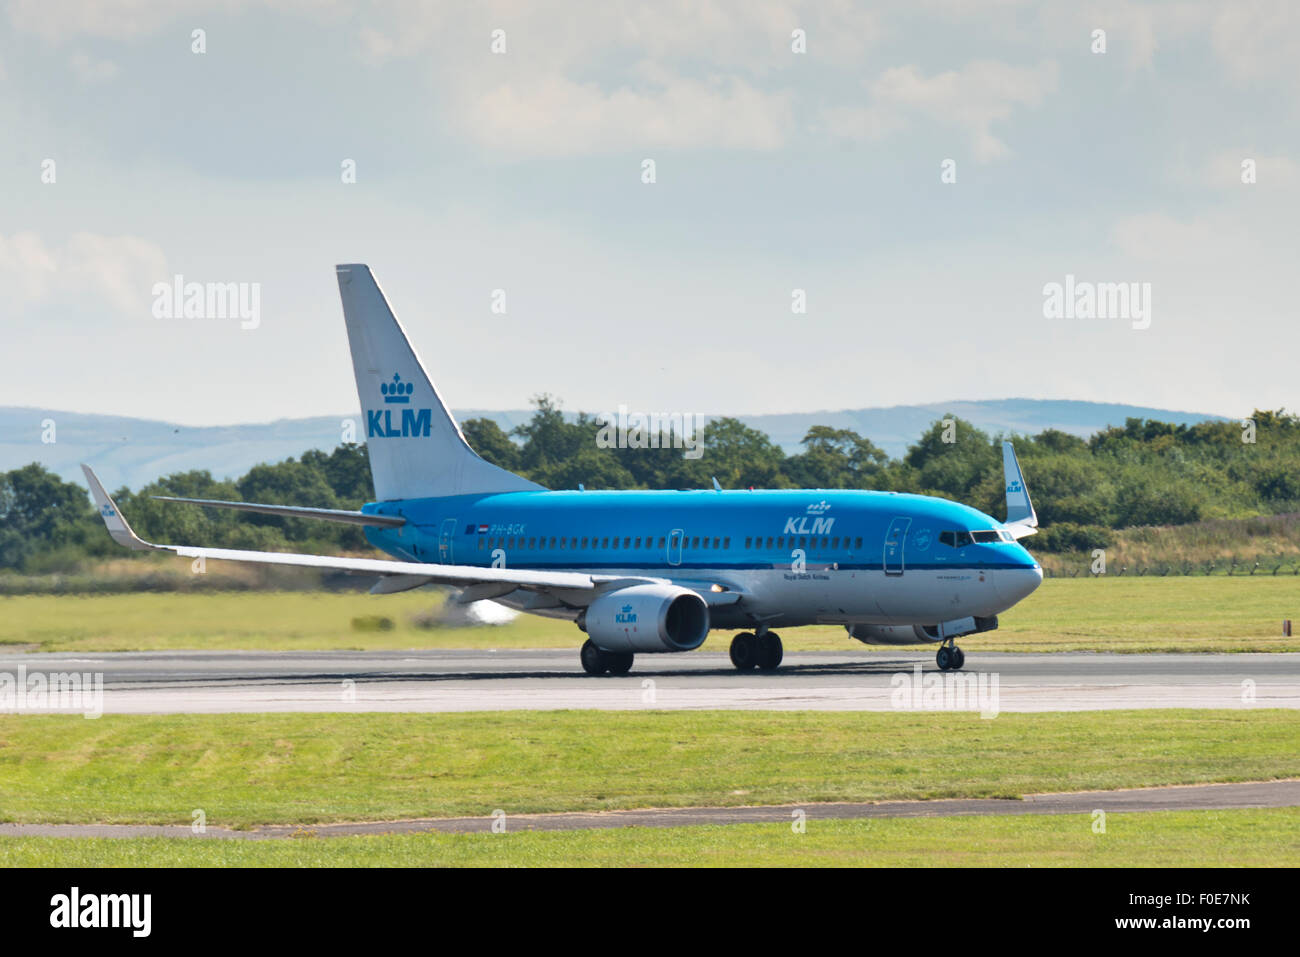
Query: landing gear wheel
{"points": [[620, 662], [744, 651], [950, 658], [594, 661], [770, 651]]}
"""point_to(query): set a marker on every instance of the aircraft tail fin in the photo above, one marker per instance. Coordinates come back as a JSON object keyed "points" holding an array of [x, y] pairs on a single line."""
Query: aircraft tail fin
{"points": [[1021, 517], [416, 448]]}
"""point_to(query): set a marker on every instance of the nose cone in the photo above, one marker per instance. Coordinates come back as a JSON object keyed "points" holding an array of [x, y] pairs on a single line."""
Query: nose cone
{"points": [[1016, 584]]}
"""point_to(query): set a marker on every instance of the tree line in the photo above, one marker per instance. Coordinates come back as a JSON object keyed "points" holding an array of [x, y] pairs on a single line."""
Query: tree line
{"points": [[1143, 473]]}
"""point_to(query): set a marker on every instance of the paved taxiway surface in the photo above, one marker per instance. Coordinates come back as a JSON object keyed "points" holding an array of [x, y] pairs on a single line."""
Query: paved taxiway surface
{"points": [[230, 681], [1199, 797]]}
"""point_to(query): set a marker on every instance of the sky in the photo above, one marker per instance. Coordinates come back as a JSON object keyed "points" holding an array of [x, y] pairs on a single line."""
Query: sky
{"points": [[916, 174]]}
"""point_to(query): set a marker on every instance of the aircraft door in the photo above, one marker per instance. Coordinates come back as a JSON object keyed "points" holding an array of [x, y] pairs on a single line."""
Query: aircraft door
{"points": [[446, 536], [675, 538], [894, 539]]}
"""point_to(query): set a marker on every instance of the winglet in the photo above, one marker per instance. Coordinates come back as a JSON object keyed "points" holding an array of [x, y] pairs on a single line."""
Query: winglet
{"points": [[1020, 510], [113, 519]]}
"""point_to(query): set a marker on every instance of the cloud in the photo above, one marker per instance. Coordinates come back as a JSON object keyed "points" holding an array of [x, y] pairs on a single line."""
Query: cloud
{"points": [[90, 70], [560, 117], [58, 20], [1259, 41], [116, 270], [27, 266], [971, 99]]}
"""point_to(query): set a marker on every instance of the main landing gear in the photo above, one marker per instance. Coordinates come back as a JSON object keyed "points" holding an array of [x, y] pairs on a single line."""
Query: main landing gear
{"points": [[950, 657], [763, 651], [597, 661]]}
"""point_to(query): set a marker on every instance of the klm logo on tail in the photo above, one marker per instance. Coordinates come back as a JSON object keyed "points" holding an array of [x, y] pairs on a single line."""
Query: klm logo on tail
{"points": [[380, 423]]}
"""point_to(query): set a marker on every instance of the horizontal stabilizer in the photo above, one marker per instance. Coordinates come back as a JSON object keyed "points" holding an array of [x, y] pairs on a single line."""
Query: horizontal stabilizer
{"points": [[295, 511]]}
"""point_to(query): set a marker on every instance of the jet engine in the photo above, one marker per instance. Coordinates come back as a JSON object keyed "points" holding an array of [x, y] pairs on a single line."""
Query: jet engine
{"points": [[647, 618]]}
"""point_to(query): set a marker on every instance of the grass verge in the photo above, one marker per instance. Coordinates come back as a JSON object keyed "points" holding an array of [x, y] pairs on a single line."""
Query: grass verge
{"points": [[1237, 838], [242, 770], [1108, 614]]}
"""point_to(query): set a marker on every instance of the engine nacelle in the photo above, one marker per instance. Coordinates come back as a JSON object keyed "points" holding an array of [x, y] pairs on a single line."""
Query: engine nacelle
{"points": [[920, 634], [647, 618]]}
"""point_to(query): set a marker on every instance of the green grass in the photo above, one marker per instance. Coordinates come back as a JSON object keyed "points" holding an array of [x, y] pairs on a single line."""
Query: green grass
{"points": [[1239, 838], [243, 770], [1109, 614], [1150, 615]]}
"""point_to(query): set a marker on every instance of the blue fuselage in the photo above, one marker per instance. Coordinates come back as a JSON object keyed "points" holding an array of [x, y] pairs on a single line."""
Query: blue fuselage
{"points": [[800, 557]]}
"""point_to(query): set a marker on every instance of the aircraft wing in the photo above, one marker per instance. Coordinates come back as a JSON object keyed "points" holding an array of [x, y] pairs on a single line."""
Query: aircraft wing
{"points": [[1022, 520], [398, 575]]}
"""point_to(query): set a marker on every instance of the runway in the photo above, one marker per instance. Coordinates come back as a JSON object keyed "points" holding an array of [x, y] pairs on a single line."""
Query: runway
{"points": [[1197, 797], [433, 681]]}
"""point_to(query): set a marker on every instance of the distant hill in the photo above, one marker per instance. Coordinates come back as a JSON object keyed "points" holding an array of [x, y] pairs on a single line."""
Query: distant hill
{"points": [[132, 452]]}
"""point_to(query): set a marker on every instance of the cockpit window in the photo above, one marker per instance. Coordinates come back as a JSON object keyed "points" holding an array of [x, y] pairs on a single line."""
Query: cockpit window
{"points": [[982, 536]]}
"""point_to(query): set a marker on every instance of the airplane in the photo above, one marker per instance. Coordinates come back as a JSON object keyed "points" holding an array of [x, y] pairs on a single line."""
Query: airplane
{"points": [[643, 572]]}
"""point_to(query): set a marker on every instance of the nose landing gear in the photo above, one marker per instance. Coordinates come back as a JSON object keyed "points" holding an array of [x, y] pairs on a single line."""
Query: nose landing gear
{"points": [[950, 657]]}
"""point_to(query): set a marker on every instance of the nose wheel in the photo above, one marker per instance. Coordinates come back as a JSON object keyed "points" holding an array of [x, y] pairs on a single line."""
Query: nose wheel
{"points": [[950, 658]]}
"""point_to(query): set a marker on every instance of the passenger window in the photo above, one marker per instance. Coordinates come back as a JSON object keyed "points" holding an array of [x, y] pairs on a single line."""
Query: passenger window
{"points": [[706, 543], [835, 542], [803, 541], [749, 541], [857, 543], [715, 543], [780, 542], [627, 542], [769, 541], [695, 542], [726, 542], [482, 543], [604, 543], [584, 541], [553, 542], [638, 541], [661, 541]]}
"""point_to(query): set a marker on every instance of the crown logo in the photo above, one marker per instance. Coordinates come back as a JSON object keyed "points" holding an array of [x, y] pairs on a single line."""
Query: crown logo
{"points": [[819, 508], [627, 609], [397, 391]]}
